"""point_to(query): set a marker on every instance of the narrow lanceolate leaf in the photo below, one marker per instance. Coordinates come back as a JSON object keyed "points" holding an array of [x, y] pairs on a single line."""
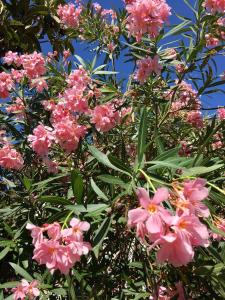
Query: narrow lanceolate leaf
{"points": [[102, 231], [178, 29], [103, 159], [77, 186], [142, 135], [4, 252], [19, 270], [98, 191]]}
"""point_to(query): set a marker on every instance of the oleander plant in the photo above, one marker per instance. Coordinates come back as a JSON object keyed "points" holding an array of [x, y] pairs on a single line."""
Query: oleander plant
{"points": [[113, 187]]}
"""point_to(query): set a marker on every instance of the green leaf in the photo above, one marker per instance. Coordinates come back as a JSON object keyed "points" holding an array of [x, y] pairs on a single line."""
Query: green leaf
{"points": [[4, 252], [77, 186], [89, 209], [98, 191], [105, 72], [201, 170], [54, 200], [9, 285], [177, 29], [112, 180], [102, 231], [102, 158], [142, 134], [21, 271]]}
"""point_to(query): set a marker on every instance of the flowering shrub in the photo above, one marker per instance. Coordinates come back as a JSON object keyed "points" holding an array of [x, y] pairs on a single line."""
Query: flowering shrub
{"points": [[112, 188]]}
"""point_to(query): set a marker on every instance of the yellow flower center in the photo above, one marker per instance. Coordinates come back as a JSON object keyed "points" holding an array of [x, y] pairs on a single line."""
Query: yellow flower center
{"points": [[152, 208]]}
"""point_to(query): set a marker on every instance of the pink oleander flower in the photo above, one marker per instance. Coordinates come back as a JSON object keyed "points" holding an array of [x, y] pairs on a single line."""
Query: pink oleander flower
{"points": [[66, 54], [33, 64], [39, 84], [177, 246], [74, 101], [17, 108], [211, 41], [220, 224], [97, 6], [146, 16], [76, 230], [215, 6], [12, 57], [10, 158], [78, 79], [41, 140], [149, 218], [185, 149], [59, 249], [221, 113], [18, 75], [6, 84], [167, 294], [26, 289], [180, 68], [68, 134], [69, 14], [104, 117], [52, 166], [146, 67], [195, 119], [191, 196], [109, 12]]}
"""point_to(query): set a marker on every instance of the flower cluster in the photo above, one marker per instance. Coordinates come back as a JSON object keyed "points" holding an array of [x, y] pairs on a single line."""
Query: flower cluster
{"points": [[57, 248], [69, 14], [9, 157], [26, 290], [146, 16], [186, 104], [215, 6], [164, 293], [6, 84], [221, 113], [220, 224], [17, 108], [177, 234], [146, 67]]}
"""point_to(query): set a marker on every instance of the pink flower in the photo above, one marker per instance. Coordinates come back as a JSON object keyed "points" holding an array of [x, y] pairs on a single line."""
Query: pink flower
{"points": [[39, 84], [10, 158], [176, 249], [220, 224], [17, 108], [151, 214], [41, 140], [211, 41], [146, 16], [66, 54], [221, 113], [60, 248], [195, 119], [104, 117], [6, 84], [33, 64], [76, 230], [146, 67], [12, 57], [177, 246], [190, 198], [69, 14], [26, 289], [215, 6], [68, 134]]}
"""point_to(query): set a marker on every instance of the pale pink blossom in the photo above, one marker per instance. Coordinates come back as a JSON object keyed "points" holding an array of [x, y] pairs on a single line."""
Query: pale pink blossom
{"points": [[147, 66], [40, 84], [215, 5], [6, 84], [26, 289], [33, 64], [104, 117], [191, 196], [220, 224], [151, 214], [195, 119], [41, 140], [10, 158], [69, 14], [221, 113], [17, 108], [12, 57], [211, 41], [59, 249], [146, 16], [68, 134]]}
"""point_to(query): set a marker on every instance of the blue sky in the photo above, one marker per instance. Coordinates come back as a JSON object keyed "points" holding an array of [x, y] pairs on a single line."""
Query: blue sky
{"points": [[177, 6]]}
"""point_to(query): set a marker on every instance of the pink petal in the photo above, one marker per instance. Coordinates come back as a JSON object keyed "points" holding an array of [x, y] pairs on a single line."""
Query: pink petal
{"points": [[161, 195], [143, 197]]}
